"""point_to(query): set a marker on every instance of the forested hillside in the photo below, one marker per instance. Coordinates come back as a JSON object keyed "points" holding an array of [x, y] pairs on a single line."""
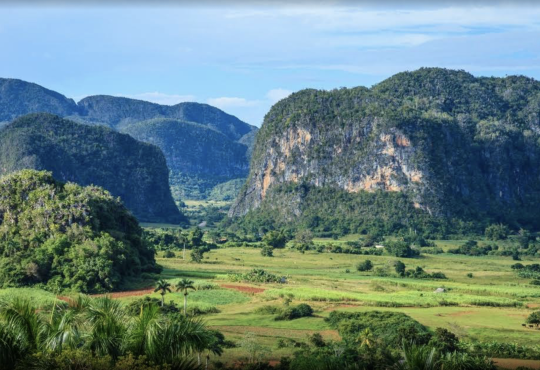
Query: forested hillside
{"points": [[64, 236], [134, 171], [455, 151], [195, 154], [18, 98]]}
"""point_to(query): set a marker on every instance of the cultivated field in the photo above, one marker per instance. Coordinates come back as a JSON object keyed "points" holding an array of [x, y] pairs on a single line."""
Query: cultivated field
{"points": [[490, 306]]}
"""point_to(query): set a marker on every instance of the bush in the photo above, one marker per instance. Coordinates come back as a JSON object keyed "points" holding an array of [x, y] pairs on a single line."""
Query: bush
{"points": [[267, 251], [291, 313], [401, 249], [497, 232], [169, 254], [365, 266], [257, 276]]}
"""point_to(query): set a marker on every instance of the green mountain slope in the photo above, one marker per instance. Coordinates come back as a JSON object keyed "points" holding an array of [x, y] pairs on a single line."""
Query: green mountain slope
{"points": [[18, 98], [65, 236], [195, 154], [134, 171], [120, 112], [457, 151]]}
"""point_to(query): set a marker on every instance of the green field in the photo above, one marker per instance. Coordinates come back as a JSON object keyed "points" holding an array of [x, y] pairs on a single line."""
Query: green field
{"points": [[490, 306], [321, 280]]}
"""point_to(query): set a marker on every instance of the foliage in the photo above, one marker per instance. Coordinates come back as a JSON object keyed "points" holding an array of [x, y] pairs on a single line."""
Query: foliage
{"points": [[366, 265], [64, 236], [475, 137], [392, 327], [103, 333], [92, 155], [400, 248], [197, 255], [497, 232], [267, 251], [199, 157], [471, 248], [275, 239], [296, 312], [534, 318], [256, 276]]}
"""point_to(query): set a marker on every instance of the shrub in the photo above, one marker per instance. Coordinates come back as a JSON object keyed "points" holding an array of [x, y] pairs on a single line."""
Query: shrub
{"points": [[169, 254], [401, 249], [291, 313], [257, 276], [267, 251], [365, 266], [497, 232]]}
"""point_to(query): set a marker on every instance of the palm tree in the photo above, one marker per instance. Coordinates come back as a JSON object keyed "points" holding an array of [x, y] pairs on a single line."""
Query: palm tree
{"points": [[366, 338], [163, 287], [108, 327], [183, 285], [419, 357]]}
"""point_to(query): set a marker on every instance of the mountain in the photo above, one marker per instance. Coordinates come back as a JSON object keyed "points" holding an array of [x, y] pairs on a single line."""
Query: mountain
{"points": [[65, 236], [434, 150], [120, 112], [18, 98], [134, 171], [196, 154]]}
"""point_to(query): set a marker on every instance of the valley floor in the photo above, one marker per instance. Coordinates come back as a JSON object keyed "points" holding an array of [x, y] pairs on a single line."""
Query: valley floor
{"points": [[490, 306]]}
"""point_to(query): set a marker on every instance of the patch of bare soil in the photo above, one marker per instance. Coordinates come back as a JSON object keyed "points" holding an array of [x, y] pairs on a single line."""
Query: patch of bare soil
{"points": [[513, 363]]}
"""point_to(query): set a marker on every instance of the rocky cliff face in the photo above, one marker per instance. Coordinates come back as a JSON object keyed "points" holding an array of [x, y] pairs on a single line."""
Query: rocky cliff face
{"points": [[92, 155], [454, 145]]}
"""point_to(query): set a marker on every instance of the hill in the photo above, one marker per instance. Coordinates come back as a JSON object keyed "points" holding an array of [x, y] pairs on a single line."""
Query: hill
{"points": [[434, 150], [195, 154], [134, 171], [64, 236], [18, 98]]}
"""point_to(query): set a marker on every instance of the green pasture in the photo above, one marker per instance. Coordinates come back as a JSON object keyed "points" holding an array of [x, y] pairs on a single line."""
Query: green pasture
{"points": [[490, 306]]}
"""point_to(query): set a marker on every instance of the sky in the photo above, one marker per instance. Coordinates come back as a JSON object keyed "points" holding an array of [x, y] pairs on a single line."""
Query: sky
{"points": [[243, 58]]}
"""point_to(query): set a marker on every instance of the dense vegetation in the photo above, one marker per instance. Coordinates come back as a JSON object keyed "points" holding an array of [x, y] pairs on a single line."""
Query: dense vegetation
{"points": [[331, 211], [92, 155], [462, 152], [63, 236], [199, 158], [100, 334], [18, 98]]}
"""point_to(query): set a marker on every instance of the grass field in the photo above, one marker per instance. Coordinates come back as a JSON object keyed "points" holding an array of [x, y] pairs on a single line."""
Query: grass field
{"points": [[321, 280], [490, 306]]}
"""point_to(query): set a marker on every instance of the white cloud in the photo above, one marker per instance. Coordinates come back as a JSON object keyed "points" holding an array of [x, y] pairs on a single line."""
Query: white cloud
{"points": [[161, 98], [276, 95], [229, 102]]}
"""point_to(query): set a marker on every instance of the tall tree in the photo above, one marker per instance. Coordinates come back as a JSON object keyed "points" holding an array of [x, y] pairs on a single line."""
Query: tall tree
{"points": [[184, 285], [163, 287]]}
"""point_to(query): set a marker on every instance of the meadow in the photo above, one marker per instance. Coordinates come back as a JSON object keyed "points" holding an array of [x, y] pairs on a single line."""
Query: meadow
{"points": [[490, 306]]}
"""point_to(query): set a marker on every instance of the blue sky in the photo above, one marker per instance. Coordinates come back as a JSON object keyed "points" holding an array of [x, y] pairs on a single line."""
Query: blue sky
{"points": [[244, 58]]}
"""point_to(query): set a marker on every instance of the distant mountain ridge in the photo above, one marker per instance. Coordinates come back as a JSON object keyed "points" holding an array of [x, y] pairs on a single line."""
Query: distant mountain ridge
{"points": [[186, 147], [190, 180], [92, 155]]}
